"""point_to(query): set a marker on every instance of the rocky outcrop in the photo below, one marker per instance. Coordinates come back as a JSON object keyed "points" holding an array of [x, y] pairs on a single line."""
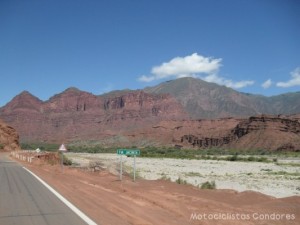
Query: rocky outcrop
{"points": [[142, 105], [262, 123], [258, 132], [186, 133], [207, 142], [9, 139], [268, 132]]}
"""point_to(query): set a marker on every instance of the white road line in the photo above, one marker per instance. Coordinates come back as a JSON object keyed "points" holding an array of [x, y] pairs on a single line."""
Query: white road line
{"points": [[69, 204]]}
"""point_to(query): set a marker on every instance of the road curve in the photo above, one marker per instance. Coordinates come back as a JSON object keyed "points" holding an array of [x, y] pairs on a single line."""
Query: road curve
{"points": [[25, 201]]}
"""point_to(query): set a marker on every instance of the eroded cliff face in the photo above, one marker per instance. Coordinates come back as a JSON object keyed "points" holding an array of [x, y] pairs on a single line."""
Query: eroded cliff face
{"points": [[9, 139], [76, 115], [279, 133], [140, 105], [142, 119]]}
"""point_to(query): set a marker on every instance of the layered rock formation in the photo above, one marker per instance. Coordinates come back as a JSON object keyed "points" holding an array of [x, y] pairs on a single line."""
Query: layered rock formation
{"points": [[258, 132], [76, 115], [9, 138], [136, 118]]}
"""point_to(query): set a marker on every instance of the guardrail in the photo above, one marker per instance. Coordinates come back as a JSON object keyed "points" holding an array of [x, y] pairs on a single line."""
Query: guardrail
{"points": [[27, 155]]}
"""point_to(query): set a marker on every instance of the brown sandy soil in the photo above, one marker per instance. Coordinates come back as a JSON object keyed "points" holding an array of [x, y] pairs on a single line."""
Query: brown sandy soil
{"points": [[109, 201]]}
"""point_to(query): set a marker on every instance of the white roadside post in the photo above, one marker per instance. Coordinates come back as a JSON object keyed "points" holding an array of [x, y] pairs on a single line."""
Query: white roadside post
{"points": [[121, 152], [121, 167], [134, 168], [62, 149]]}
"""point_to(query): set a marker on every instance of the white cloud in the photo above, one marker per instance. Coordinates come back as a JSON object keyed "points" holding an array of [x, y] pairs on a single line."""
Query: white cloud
{"points": [[146, 78], [187, 66], [294, 81], [193, 66], [239, 84], [228, 83], [267, 84]]}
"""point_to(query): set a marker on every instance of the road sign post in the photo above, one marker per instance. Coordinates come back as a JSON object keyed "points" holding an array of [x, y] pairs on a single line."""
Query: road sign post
{"points": [[134, 168], [121, 167], [62, 149], [62, 162], [127, 152]]}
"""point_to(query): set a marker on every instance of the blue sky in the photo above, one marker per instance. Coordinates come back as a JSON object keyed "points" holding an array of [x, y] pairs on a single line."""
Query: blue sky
{"points": [[98, 46]]}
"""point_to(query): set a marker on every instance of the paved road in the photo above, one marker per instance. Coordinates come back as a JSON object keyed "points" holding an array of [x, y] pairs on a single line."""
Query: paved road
{"points": [[25, 201]]}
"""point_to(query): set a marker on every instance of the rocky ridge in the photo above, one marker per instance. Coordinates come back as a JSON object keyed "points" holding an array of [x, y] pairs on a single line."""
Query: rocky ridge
{"points": [[278, 133], [139, 118], [9, 138]]}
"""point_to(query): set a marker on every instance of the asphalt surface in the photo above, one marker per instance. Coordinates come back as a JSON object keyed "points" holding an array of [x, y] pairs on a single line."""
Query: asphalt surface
{"points": [[25, 201]]}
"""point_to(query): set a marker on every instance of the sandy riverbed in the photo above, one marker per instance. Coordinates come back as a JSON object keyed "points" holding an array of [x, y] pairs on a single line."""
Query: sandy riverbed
{"points": [[268, 178]]}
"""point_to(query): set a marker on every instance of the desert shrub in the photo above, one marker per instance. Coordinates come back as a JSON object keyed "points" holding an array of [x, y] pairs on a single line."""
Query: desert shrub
{"points": [[232, 158], [42, 146], [209, 185], [95, 165], [164, 177], [67, 161], [262, 159], [137, 174], [181, 181], [1, 146], [251, 158]]}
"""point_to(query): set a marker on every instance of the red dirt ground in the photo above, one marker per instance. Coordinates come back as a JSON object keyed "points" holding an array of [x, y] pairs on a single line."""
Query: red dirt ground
{"points": [[107, 200]]}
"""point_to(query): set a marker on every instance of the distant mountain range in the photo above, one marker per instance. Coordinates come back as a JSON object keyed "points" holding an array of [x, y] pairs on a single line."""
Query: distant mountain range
{"points": [[208, 100], [186, 112], [204, 100]]}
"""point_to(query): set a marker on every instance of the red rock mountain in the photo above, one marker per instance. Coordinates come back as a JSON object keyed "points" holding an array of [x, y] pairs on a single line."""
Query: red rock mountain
{"points": [[76, 115], [269, 132], [129, 118], [9, 138]]}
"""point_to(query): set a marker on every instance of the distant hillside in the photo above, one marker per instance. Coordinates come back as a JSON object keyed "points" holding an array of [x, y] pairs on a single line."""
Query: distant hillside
{"points": [[208, 100], [288, 103]]}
